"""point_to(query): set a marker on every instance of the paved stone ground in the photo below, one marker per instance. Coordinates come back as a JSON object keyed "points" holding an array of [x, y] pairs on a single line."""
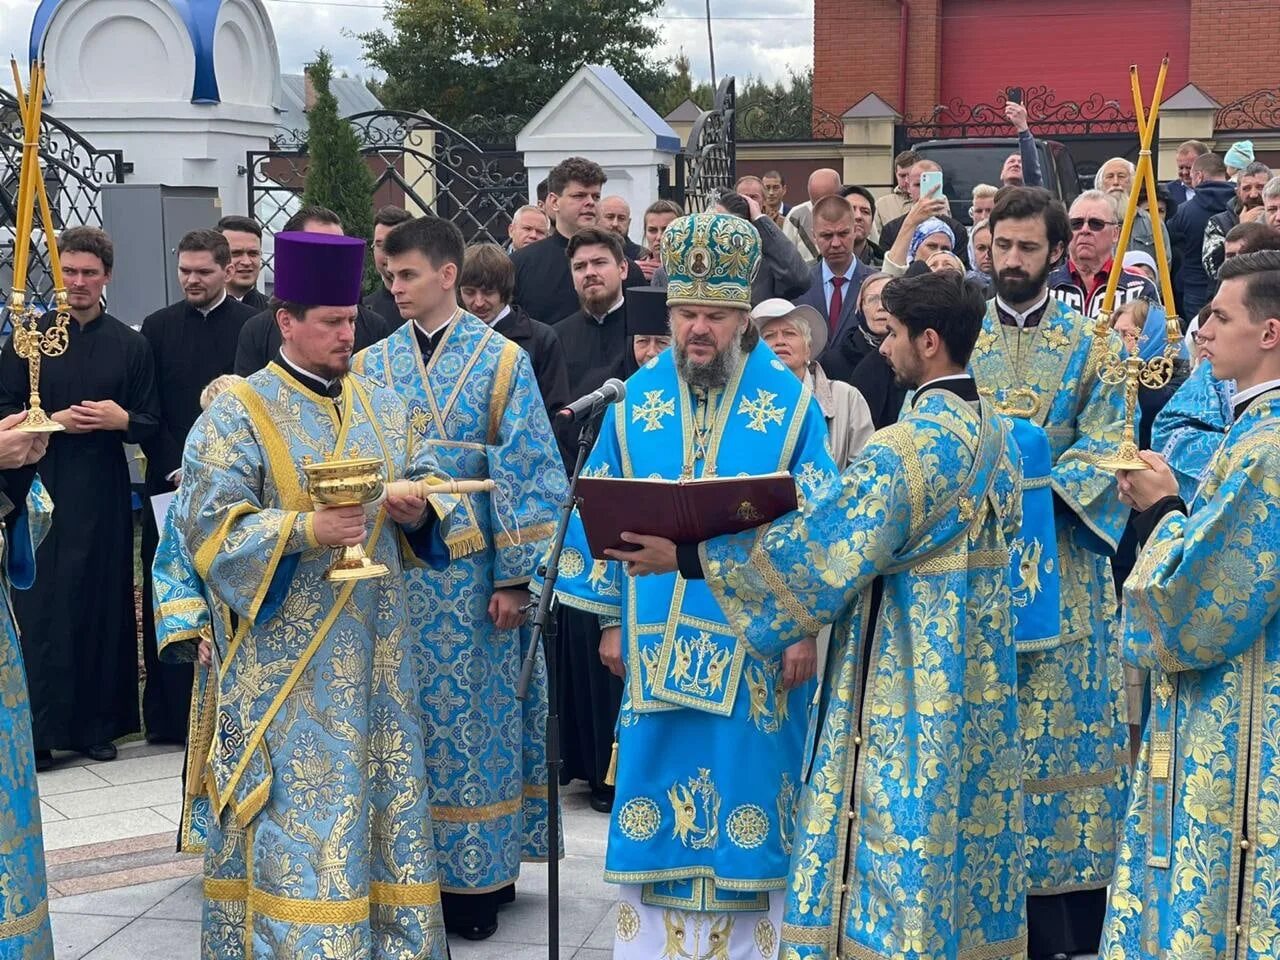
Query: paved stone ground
{"points": [[118, 891]]}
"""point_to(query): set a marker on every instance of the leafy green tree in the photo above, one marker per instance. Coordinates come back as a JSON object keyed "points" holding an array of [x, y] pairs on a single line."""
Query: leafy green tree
{"points": [[337, 176], [460, 58]]}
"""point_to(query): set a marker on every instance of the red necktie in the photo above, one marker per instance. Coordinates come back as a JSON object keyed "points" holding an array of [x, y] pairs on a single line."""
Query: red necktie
{"points": [[837, 303]]}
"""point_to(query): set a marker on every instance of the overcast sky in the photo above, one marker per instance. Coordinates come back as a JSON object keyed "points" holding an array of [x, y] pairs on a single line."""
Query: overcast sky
{"points": [[765, 37]]}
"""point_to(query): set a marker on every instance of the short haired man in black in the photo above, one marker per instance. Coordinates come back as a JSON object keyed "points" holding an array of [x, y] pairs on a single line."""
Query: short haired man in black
{"points": [[76, 623], [244, 236], [193, 341], [260, 338], [484, 288], [381, 301], [544, 285]]}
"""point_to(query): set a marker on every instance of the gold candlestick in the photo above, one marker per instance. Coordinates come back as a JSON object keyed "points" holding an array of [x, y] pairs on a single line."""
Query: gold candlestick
{"points": [[30, 342], [348, 483], [1115, 368]]}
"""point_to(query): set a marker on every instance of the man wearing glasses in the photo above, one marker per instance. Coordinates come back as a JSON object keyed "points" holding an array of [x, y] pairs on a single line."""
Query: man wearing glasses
{"points": [[1081, 280]]}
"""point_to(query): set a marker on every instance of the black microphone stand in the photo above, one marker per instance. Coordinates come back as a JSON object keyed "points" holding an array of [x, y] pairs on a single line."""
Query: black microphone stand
{"points": [[544, 632]]}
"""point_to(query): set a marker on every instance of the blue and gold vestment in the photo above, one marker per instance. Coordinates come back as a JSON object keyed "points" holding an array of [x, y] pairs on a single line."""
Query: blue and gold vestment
{"points": [[24, 908], [184, 612], [1071, 687], [709, 741], [909, 839], [475, 405], [319, 842], [1199, 870], [1189, 429]]}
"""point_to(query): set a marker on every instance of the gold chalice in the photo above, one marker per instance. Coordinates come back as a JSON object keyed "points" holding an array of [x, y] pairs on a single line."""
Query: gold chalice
{"points": [[348, 483]]}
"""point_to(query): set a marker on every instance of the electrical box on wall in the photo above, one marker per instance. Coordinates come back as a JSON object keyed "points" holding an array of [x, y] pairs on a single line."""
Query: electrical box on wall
{"points": [[146, 222]]}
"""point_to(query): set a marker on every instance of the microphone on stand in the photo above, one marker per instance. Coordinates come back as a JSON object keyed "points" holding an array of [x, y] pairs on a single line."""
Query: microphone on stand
{"points": [[584, 408]]}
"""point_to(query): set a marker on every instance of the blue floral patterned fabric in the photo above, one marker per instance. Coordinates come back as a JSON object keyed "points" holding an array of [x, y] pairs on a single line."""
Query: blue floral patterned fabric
{"points": [[1198, 864]]}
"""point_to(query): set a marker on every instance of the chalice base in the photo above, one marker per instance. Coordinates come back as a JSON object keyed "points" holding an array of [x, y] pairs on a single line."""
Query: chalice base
{"points": [[38, 422], [1125, 458], [354, 564]]}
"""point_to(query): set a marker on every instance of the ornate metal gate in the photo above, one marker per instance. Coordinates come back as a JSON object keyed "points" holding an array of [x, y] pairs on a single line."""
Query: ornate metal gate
{"points": [[417, 163], [74, 172], [1095, 129], [708, 162]]}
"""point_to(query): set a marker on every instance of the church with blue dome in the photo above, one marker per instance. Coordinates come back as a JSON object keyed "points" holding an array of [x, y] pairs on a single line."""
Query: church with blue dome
{"points": [[200, 34]]}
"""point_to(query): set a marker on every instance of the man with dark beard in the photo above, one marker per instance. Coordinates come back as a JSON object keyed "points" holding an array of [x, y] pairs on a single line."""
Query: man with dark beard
{"points": [[1033, 360], [597, 346]]}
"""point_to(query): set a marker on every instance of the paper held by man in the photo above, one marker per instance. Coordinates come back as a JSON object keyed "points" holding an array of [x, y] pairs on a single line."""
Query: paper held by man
{"points": [[683, 511]]}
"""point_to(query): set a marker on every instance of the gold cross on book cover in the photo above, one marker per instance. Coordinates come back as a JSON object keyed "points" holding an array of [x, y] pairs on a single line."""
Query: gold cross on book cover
{"points": [[683, 511]]}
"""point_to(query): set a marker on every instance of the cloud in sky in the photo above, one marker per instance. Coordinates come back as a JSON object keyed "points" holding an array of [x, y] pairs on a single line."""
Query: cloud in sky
{"points": [[763, 37]]}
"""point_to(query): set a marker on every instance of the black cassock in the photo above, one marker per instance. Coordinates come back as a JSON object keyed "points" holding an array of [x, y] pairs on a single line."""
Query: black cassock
{"points": [[544, 282], [79, 631], [594, 351], [190, 349]]}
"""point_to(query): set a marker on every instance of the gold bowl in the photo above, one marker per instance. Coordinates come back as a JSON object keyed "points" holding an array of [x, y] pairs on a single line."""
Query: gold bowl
{"points": [[348, 483]]}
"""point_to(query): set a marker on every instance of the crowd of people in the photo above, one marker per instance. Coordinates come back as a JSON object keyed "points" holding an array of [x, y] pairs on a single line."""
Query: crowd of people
{"points": [[1038, 696]]}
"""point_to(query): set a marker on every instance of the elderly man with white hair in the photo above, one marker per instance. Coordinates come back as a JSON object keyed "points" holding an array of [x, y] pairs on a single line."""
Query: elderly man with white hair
{"points": [[1116, 178], [798, 334], [823, 182]]}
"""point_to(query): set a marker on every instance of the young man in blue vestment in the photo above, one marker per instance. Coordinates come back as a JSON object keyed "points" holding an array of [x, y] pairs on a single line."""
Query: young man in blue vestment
{"points": [[711, 730], [473, 401], [25, 512], [909, 839], [1199, 864], [319, 836]]}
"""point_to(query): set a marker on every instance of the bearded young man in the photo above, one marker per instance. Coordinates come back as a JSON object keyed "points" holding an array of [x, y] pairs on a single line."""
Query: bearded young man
{"points": [[700, 840], [1034, 360]]}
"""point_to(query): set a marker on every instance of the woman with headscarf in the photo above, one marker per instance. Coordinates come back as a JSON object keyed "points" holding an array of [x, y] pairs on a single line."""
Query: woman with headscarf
{"points": [[863, 336]]}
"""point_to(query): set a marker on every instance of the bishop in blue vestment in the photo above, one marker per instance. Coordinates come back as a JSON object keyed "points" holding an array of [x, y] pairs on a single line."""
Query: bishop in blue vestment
{"points": [[711, 732]]}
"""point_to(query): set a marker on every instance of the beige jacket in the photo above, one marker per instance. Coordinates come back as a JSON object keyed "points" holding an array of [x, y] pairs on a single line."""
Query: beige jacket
{"points": [[888, 209], [849, 423]]}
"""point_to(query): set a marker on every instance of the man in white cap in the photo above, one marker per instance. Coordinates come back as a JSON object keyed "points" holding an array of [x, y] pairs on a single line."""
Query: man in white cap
{"points": [[798, 336]]}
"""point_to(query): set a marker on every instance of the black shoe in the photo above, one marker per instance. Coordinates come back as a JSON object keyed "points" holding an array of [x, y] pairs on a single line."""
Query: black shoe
{"points": [[507, 894], [470, 916], [602, 799], [101, 752], [44, 760]]}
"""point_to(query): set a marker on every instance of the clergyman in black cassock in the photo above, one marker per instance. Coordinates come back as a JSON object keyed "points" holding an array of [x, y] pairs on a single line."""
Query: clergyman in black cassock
{"points": [[595, 348], [78, 626], [192, 345]]}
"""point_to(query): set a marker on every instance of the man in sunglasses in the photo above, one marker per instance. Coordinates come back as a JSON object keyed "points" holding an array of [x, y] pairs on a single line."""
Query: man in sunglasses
{"points": [[1080, 281]]}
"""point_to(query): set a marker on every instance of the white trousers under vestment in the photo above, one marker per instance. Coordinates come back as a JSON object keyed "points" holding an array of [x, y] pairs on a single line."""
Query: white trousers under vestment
{"points": [[660, 933]]}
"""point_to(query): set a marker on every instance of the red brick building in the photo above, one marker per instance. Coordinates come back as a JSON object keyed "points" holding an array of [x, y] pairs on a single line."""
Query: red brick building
{"points": [[972, 50]]}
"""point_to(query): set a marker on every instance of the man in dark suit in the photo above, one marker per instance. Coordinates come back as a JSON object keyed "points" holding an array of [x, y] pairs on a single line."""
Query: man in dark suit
{"points": [[381, 301], [837, 277], [1181, 189]]}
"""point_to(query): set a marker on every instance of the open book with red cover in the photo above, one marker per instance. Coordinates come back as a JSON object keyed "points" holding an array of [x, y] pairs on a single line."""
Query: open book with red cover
{"points": [[683, 511]]}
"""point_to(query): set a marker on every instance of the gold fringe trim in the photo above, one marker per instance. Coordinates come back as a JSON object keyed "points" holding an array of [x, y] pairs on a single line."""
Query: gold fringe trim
{"points": [[465, 545], [611, 775], [21, 926]]}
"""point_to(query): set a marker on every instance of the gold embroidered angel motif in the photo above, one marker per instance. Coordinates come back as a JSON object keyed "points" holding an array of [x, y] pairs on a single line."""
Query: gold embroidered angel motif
{"points": [[696, 809]]}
